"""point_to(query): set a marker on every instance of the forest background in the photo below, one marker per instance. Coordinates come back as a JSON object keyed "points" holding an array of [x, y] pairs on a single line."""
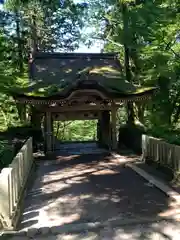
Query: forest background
{"points": [[145, 34]]}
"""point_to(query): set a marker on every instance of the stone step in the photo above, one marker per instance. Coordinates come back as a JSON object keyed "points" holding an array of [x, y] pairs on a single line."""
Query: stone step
{"points": [[97, 230]]}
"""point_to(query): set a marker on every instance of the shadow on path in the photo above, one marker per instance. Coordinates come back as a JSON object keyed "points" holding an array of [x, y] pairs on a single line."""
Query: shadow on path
{"points": [[89, 188]]}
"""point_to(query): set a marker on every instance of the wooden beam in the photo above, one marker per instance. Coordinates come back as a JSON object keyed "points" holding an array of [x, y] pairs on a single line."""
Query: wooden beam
{"points": [[83, 115], [118, 101], [75, 108]]}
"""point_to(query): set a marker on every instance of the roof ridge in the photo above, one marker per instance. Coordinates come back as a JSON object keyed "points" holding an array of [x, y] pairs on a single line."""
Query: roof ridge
{"points": [[75, 55]]}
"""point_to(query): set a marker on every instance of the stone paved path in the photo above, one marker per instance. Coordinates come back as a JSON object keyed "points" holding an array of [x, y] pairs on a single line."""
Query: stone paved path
{"points": [[79, 188], [163, 230]]}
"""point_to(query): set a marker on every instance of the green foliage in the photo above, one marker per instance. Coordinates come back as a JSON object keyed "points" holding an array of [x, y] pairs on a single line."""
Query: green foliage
{"points": [[76, 130], [166, 134], [25, 26], [56, 27], [12, 139], [148, 30], [6, 153]]}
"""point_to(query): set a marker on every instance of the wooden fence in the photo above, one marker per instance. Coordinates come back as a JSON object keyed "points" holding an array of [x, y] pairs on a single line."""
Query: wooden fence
{"points": [[159, 151], [12, 183]]}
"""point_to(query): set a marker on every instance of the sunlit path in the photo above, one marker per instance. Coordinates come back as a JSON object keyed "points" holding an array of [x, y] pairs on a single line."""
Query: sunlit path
{"points": [[82, 188]]}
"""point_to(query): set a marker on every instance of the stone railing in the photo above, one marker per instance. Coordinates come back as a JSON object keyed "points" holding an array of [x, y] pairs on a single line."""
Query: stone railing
{"points": [[12, 184], [159, 151]]}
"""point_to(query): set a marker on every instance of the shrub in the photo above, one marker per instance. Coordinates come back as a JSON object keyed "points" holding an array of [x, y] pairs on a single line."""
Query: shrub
{"points": [[166, 134], [131, 135], [13, 139], [6, 153]]}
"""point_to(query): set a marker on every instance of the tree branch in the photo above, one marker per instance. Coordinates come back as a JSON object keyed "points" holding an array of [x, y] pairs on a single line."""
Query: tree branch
{"points": [[170, 48], [115, 43]]}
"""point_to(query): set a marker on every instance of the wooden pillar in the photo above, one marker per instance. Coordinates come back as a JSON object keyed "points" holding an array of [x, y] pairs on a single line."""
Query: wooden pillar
{"points": [[53, 137], [104, 129], [113, 124], [48, 132], [99, 132]]}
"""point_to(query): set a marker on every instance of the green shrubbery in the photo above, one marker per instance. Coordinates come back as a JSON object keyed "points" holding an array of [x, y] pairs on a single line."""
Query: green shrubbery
{"points": [[13, 139], [78, 130], [166, 134], [130, 135], [6, 153]]}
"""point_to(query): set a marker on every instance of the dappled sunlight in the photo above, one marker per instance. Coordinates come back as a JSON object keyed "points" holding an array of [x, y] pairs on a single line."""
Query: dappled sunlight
{"points": [[93, 188], [65, 158], [104, 172], [171, 212]]}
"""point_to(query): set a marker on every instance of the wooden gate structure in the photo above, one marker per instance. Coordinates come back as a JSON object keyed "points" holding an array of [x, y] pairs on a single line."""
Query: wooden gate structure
{"points": [[69, 86]]}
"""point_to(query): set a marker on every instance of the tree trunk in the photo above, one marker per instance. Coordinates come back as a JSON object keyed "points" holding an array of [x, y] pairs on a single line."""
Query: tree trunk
{"points": [[18, 34], [21, 108], [130, 107], [35, 118], [34, 35], [140, 112]]}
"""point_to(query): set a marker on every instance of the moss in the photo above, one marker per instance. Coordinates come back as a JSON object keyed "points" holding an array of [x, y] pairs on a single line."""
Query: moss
{"points": [[124, 87], [144, 89], [108, 77], [39, 91], [53, 80], [122, 90], [105, 69]]}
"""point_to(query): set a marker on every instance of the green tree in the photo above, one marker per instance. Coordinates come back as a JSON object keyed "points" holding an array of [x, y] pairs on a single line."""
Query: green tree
{"points": [[146, 33], [56, 27]]}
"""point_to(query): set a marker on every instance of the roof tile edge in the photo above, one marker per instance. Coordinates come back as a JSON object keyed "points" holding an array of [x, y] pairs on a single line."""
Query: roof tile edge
{"points": [[43, 55]]}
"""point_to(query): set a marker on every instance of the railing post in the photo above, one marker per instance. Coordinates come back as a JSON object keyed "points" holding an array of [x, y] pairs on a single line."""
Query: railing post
{"points": [[144, 147], [177, 157], [31, 149], [12, 183], [5, 197], [161, 152]]}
